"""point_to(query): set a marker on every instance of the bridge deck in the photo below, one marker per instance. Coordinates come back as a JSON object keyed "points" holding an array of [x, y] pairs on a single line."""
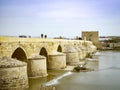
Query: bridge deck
{"points": [[17, 39]]}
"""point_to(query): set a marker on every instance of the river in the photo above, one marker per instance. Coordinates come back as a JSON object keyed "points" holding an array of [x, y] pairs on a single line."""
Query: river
{"points": [[106, 75]]}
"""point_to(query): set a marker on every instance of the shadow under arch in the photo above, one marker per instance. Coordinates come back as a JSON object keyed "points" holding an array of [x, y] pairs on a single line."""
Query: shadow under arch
{"points": [[43, 52], [19, 54], [59, 49]]}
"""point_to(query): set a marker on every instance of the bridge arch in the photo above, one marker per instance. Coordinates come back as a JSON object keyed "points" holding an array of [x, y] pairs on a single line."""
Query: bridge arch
{"points": [[43, 52], [19, 54], [59, 49]]}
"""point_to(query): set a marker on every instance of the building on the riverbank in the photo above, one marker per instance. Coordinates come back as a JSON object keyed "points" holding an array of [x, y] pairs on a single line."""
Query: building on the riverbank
{"points": [[111, 42]]}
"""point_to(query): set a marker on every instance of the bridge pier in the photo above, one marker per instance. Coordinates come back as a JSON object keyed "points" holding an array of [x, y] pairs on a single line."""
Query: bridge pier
{"points": [[83, 52], [37, 66], [72, 56], [56, 60], [81, 57], [13, 74]]}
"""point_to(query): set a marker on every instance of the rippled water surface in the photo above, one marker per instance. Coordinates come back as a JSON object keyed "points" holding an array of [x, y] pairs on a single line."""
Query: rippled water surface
{"points": [[105, 77]]}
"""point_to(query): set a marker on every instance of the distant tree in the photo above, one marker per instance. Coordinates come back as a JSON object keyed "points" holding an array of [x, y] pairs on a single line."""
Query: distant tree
{"points": [[113, 40], [41, 35], [80, 38]]}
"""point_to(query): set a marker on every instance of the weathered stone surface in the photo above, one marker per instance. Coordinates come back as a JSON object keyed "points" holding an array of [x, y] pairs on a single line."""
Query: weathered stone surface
{"points": [[37, 66], [72, 56], [13, 74], [6, 62], [56, 61], [83, 53], [30, 46], [69, 48], [36, 57]]}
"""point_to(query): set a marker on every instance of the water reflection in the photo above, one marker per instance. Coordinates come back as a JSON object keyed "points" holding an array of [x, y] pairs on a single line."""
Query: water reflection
{"points": [[105, 78], [35, 83]]}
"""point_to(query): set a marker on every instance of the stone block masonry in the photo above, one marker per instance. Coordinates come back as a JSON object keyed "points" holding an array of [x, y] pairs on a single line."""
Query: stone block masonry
{"points": [[13, 74], [57, 53], [57, 61], [37, 66]]}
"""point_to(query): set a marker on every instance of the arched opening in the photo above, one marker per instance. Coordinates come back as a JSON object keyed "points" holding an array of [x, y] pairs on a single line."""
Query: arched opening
{"points": [[19, 54], [59, 49], [43, 52]]}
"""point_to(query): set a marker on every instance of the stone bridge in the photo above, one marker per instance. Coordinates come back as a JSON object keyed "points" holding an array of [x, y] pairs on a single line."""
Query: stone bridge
{"points": [[41, 54]]}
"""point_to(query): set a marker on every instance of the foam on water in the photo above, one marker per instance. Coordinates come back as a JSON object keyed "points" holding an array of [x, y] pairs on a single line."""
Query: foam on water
{"points": [[97, 53], [55, 81]]}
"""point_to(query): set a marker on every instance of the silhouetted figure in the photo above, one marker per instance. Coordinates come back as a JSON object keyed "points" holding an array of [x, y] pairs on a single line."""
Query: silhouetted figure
{"points": [[41, 35], [45, 36]]}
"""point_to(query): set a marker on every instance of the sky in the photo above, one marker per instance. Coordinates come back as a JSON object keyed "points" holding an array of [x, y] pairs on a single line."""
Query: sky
{"points": [[67, 18]]}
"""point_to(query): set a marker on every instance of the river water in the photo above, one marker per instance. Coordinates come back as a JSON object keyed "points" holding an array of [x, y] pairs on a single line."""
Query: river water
{"points": [[106, 75]]}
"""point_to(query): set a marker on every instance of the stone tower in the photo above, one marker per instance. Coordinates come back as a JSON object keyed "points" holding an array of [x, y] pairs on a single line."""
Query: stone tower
{"points": [[90, 36]]}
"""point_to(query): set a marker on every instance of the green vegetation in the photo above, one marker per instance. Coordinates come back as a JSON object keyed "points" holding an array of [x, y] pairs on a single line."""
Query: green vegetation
{"points": [[113, 40]]}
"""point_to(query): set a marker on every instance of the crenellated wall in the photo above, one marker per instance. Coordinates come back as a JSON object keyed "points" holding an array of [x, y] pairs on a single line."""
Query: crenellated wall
{"points": [[57, 52]]}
